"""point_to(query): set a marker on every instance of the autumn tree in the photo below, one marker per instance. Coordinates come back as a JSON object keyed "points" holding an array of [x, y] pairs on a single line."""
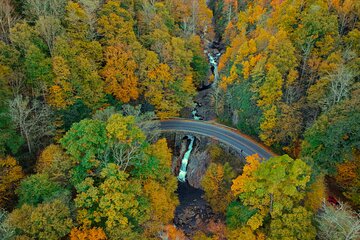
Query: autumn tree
{"points": [[114, 163], [118, 202], [168, 86], [158, 91], [144, 120], [202, 236], [216, 183], [87, 234], [76, 60], [119, 73], [163, 203], [295, 61], [55, 163], [126, 141], [275, 189], [347, 176], [60, 94], [316, 194], [91, 7], [171, 232], [11, 174], [115, 24], [46, 221]]}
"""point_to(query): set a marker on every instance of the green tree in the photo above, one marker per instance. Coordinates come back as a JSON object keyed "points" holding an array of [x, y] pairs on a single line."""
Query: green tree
{"points": [[38, 188], [10, 141], [84, 142], [238, 214], [33, 9], [38, 68], [199, 63], [333, 136], [244, 112]]}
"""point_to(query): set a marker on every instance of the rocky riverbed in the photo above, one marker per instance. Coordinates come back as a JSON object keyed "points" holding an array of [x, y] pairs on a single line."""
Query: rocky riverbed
{"points": [[194, 213]]}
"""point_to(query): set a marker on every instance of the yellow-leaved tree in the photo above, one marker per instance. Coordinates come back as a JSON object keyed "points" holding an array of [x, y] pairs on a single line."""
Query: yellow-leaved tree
{"points": [[10, 175], [216, 184], [316, 194], [275, 189]]}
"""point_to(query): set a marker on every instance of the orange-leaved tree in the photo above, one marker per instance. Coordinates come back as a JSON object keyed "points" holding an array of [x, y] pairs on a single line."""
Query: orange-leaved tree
{"points": [[87, 234], [119, 73]]}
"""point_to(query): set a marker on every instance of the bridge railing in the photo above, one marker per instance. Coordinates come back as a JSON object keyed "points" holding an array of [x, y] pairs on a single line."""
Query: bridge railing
{"points": [[212, 122]]}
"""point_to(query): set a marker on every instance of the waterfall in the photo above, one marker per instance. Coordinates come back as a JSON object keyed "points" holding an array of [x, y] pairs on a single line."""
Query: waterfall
{"points": [[185, 160], [214, 63], [195, 116]]}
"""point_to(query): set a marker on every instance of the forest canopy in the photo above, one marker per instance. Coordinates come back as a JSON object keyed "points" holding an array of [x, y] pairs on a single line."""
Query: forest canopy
{"points": [[84, 83]]}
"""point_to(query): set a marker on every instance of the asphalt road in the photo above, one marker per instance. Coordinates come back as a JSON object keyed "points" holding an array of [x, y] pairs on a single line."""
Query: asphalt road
{"points": [[216, 131]]}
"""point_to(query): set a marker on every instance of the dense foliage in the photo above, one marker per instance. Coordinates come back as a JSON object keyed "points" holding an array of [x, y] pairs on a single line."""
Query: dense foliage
{"points": [[293, 66], [290, 77], [63, 55], [81, 82], [115, 181]]}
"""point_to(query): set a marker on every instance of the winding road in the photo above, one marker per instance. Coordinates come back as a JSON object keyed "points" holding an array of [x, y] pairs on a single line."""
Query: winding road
{"points": [[219, 132]]}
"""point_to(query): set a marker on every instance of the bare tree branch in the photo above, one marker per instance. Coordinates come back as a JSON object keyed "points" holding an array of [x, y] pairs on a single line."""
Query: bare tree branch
{"points": [[33, 120], [8, 18]]}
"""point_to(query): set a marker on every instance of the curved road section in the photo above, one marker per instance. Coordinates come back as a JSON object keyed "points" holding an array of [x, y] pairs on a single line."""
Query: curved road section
{"points": [[219, 132]]}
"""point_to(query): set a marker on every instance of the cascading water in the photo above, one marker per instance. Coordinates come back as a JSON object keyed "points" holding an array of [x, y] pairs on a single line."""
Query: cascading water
{"points": [[214, 63], [185, 160], [194, 113], [213, 59]]}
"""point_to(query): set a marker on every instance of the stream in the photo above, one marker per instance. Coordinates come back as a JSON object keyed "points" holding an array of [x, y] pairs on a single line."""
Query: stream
{"points": [[213, 60], [194, 213]]}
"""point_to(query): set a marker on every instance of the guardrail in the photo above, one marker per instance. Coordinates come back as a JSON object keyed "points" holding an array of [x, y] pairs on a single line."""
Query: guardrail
{"points": [[212, 122]]}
